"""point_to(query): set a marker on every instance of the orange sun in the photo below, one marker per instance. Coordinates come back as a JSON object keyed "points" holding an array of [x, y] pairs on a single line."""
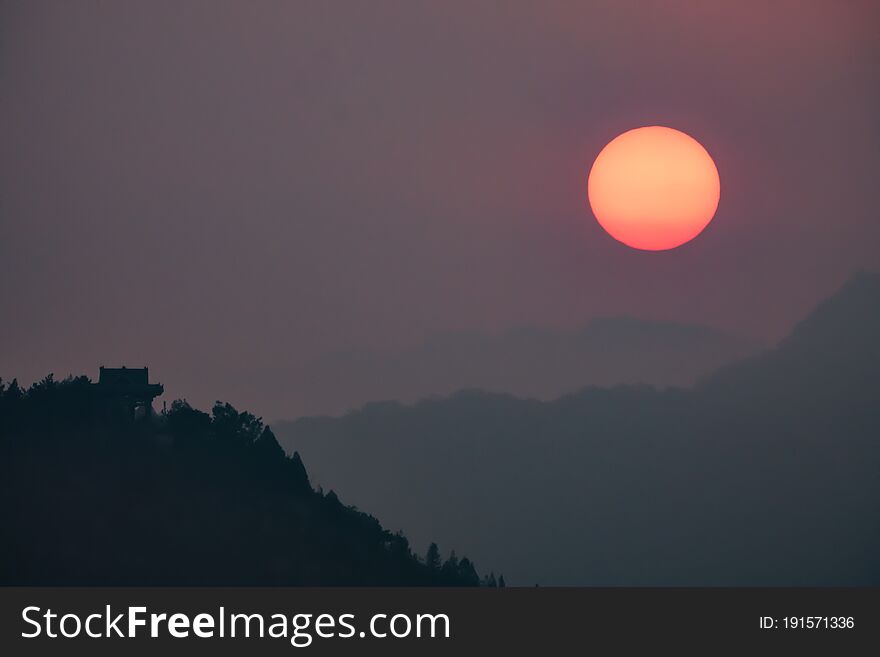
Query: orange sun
{"points": [[654, 188]]}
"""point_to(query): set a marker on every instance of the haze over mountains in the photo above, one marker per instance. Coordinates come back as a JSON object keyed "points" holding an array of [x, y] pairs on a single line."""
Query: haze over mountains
{"points": [[527, 362], [764, 473]]}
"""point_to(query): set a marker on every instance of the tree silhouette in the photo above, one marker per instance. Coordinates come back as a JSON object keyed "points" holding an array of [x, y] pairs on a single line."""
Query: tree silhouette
{"points": [[432, 558], [467, 574], [449, 570]]}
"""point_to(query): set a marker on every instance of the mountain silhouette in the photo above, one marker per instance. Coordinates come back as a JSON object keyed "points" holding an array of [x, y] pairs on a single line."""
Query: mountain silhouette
{"points": [[833, 351], [92, 495], [527, 362], [764, 473]]}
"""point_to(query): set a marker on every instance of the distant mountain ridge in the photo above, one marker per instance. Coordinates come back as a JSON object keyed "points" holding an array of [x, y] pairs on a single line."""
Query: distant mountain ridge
{"points": [[840, 339], [764, 473], [527, 362]]}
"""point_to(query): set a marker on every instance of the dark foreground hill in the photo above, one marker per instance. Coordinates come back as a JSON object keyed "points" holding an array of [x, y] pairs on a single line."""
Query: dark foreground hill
{"points": [[89, 498], [766, 473]]}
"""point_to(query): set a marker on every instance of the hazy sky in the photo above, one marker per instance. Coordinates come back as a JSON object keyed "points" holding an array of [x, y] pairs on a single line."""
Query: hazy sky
{"points": [[209, 187]]}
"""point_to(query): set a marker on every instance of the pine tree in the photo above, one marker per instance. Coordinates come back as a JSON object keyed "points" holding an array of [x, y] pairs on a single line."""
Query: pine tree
{"points": [[467, 573], [449, 571], [432, 557]]}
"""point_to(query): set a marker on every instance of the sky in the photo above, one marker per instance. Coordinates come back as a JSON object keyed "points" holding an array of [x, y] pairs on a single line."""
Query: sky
{"points": [[217, 187]]}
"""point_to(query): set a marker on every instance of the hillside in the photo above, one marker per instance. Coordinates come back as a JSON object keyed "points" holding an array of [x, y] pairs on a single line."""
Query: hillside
{"points": [[765, 473], [91, 498]]}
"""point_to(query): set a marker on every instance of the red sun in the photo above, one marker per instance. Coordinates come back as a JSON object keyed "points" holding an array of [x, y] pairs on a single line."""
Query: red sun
{"points": [[654, 188]]}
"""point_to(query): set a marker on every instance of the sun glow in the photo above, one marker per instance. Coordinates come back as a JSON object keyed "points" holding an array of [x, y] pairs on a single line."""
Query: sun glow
{"points": [[654, 188]]}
